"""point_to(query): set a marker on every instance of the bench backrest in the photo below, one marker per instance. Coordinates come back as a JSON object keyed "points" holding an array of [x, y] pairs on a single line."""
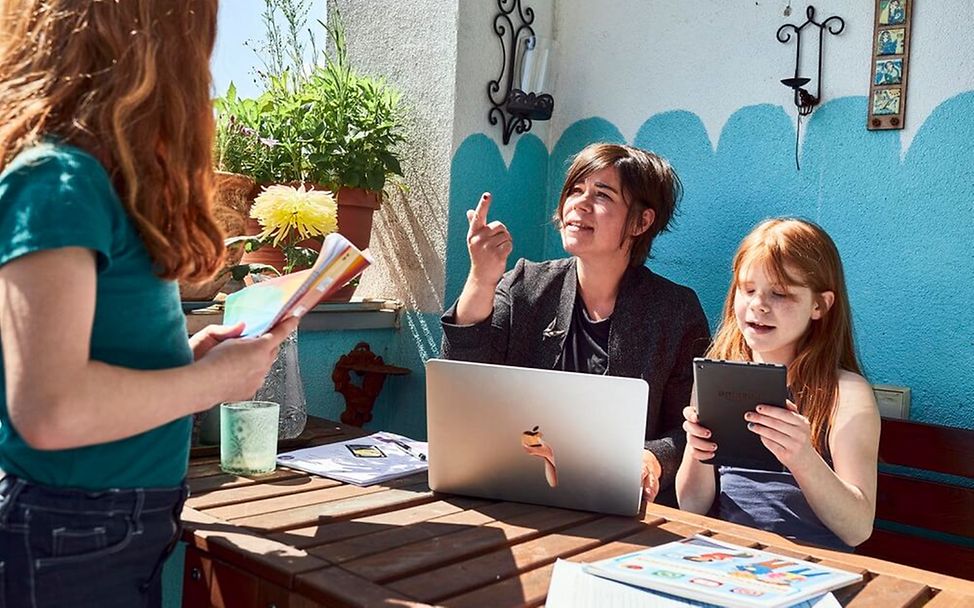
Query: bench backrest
{"points": [[925, 522]]}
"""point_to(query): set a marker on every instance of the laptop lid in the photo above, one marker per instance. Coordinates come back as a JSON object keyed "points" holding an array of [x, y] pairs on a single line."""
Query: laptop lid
{"points": [[540, 436]]}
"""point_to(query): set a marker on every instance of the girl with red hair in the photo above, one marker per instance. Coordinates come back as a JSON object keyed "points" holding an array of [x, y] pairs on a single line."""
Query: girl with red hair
{"points": [[788, 304]]}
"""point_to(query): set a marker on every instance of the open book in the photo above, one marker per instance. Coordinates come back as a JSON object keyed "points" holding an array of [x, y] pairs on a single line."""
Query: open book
{"points": [[703, 569], [265, 304]]}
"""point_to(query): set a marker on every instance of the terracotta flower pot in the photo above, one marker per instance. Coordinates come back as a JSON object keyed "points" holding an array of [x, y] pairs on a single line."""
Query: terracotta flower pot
{"points": [[232, 195], [355, 210], [272, 256]]}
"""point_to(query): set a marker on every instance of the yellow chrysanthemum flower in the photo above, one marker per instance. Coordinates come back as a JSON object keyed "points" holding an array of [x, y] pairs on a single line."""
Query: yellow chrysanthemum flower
{"points": [[281, 209]]}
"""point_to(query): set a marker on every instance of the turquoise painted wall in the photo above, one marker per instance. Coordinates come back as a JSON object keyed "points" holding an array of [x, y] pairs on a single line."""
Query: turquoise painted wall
{"points": [[904, 227]]}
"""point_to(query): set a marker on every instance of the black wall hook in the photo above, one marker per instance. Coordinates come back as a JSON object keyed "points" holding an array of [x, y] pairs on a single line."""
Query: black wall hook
{"points": [[513, 108], [804, 101]]}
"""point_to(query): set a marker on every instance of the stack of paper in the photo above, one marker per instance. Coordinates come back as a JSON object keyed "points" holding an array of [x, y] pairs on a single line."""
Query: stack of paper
{"points": [[364, 461]]}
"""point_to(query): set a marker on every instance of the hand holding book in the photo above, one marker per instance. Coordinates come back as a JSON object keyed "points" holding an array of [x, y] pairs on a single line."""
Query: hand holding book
{"points": [[263, 305]]}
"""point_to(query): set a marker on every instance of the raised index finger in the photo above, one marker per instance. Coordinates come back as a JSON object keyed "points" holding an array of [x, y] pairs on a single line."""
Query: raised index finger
{"points": [[480, 213]]}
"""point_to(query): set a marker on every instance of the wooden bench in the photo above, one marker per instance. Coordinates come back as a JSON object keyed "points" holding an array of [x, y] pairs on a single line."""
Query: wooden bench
{"points": [[915, 509]]}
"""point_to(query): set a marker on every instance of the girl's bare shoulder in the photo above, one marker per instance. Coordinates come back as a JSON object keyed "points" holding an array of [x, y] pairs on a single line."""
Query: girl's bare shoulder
{"points": [[855, 392]]}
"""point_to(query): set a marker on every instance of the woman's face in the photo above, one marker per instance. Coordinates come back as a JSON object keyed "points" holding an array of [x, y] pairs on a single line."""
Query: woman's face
{"points": [[593, 218]]}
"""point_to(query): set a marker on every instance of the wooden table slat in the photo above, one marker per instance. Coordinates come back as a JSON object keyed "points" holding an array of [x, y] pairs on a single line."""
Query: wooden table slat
{"points": [[508, 563], [272, 561], [662, 532], [334, 587], [790, 552], [386, 540], [310, 536], [355, 503], [531, 587], [883, 592], [950, 599], [734, 539], [334, 491], [848, 567], [204, 468], [437, 584], [201, 485], [409, 559], [259, 491]]}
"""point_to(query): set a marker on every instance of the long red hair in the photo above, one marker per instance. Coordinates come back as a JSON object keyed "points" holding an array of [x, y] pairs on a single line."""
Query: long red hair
{"points": [[129, 82], [804, 248]]}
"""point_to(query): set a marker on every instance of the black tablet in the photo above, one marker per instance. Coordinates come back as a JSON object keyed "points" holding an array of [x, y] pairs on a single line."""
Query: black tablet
{"points": [[725, 391]]}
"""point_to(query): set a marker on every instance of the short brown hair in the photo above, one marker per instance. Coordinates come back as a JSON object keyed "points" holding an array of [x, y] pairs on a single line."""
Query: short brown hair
{"points": [[648, 182]]}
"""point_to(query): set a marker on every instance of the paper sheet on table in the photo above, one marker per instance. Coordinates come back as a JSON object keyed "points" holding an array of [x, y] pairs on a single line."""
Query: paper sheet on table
{"points": [[572, 587], [362, 461]]}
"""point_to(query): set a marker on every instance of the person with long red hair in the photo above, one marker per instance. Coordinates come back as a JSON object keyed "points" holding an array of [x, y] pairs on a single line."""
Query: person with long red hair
{"points": [[106, 131], [788, 304]]}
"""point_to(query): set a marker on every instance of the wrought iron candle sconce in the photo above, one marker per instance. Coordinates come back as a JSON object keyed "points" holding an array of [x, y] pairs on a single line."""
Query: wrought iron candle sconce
{"points": [[805, 102], [513, 107]]}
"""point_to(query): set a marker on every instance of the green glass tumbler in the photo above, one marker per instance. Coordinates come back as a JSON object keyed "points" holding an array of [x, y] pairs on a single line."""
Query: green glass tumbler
{"points": [[248, 437]]}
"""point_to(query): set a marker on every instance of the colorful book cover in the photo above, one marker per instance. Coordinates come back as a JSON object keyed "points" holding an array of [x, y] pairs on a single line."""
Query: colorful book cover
{"points": [[707, 570], [263, 305]]}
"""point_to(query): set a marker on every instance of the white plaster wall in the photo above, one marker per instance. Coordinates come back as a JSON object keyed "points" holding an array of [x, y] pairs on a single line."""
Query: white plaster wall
{"points": [[414, 45], [627, 61], [479, 56], [441, 55]]}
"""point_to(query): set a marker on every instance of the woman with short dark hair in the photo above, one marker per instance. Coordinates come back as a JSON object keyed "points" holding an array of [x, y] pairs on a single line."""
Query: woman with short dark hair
{"points": [[600, 311]]}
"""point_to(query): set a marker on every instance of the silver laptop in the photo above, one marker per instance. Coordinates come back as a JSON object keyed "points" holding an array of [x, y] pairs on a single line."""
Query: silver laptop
{"points": [[539, 436]]}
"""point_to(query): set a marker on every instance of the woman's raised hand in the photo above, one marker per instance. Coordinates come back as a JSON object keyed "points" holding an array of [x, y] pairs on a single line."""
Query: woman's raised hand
{"points": [[489, 245], [698, 437]]}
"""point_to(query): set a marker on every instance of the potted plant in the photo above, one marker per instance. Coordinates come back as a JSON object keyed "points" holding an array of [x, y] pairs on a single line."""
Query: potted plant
{"points": [[324, 127], [293, 221]]}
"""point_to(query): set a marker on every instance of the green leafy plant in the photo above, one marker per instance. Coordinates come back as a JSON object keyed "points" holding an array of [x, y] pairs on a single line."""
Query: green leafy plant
{"points": [[325, 124]]}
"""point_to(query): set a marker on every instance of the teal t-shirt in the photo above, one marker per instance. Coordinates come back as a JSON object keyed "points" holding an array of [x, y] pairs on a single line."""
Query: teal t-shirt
{"points": [[52, 196]]}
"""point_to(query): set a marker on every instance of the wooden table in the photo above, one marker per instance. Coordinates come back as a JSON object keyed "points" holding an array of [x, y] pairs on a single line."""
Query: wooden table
{"points": [[296, 540]]}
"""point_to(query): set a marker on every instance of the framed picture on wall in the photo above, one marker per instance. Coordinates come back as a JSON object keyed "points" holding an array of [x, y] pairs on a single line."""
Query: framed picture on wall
{"points": [[888, 71], [891, 54], [886, 102], [890, 41]]}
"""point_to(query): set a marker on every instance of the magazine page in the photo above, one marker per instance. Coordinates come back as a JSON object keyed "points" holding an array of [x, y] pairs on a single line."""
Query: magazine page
{"points": [[721, 573], [364, 461], [262, 305], [572, 587]]}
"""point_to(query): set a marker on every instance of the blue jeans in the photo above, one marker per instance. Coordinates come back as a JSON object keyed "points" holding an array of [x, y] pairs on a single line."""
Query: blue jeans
{"points": [[63, 547]]}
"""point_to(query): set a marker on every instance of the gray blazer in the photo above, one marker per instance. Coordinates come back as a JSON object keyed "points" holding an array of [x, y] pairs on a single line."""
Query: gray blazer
{"points": [[658, 327]]}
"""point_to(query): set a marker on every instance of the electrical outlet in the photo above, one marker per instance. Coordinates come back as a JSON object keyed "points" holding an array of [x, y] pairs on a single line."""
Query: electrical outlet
{"points": [[893, 401]]}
